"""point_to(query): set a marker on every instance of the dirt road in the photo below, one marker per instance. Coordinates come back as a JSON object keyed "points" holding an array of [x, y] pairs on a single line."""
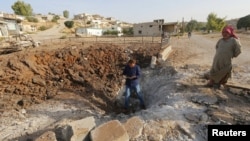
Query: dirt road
{"points": [[200, 49], [51, 33]]}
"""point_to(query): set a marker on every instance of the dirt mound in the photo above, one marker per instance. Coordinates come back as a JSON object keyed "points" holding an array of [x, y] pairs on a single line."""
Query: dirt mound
{"points": [[95, 73]]}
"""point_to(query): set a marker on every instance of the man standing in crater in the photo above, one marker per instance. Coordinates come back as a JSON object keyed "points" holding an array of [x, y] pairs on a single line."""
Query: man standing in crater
{"points": [[132, 73]]}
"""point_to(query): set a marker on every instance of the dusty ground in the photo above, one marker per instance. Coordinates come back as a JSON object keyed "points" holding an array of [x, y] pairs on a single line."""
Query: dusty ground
{"points": [[41, 88]]}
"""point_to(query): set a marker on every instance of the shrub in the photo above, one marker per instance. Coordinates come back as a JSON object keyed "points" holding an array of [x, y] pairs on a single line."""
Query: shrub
{"points": [[42, 28], [32, 19], [69, 24], [63, 37]]}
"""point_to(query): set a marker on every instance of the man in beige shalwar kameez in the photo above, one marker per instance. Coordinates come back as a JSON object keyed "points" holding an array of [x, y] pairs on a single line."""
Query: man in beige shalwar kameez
{"points": [[227, 48]]}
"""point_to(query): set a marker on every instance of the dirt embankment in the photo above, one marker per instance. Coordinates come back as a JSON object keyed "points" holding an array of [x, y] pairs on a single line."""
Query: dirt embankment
{"points": [[95, 73]]}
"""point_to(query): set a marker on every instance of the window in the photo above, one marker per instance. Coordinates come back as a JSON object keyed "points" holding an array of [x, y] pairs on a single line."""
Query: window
{"points": [[139, 32], [150, 25]]}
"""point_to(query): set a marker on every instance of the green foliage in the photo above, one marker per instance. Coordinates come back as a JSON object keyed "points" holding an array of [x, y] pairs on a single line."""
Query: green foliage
{"points": [[244, 22], [66, 13], [22, 8], [69, 24], [88, 22], [55, 18], [32, 19], [42, 28], [192, 25], [215, 23], [128, 31], [108, 32]]}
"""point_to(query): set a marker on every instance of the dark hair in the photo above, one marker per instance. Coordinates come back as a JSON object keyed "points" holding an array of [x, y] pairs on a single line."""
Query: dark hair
{"points": [[132, 61]]}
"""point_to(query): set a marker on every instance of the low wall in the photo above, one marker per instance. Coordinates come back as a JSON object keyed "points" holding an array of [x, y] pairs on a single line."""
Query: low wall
{"points": [[164, 53]]}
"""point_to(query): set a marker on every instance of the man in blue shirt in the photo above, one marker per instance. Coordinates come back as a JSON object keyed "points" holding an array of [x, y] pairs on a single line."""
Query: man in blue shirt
{"points": [[132, 73]]}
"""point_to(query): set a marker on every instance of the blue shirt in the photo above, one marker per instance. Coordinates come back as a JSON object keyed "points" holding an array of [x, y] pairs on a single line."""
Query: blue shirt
{"points": [[129, 72]]}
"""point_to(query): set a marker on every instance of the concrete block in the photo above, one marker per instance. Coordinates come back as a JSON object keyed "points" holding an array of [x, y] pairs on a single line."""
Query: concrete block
{"points": [[81, 128], [110, 131], [76, 130], [164, 53], [134, 127], [47, 136], [153, 62]]}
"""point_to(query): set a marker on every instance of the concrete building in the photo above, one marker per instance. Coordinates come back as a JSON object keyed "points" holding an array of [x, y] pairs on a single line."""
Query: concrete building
{"points": [[83, 16], [88, 32], [171, 28], [12, 22], [156, 28], [114, 28], [3, 29], [148, 29]]}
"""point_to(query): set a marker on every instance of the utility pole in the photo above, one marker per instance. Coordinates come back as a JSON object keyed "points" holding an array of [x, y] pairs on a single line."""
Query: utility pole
{"points": [[183, 25]]}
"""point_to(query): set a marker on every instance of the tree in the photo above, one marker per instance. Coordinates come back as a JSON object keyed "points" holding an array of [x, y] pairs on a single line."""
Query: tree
{"points": [[244, 22], [69, 24], [55, 18], [192, 25], [128, 31], [108, 32], [22, 8], [66, 13], [215, 23]]}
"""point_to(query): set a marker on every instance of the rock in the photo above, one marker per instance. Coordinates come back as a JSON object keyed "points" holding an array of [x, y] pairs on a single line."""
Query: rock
{"points": [[47, 136], [81, 128], [153, 62], [23, 111], [64, 133], [204, 117], [2, 73], [75, 131], [221, 116], [14, 65], [110, 131], [38, 80], [192, 117], [134, 127], [155, 137], [208, 100], [155, 131], [29, 63]]}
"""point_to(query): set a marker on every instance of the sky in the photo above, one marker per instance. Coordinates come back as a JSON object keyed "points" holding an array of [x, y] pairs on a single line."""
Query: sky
{"points": [[136, 11]]}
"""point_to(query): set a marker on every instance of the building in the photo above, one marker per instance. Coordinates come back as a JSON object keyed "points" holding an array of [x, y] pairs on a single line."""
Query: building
{"points": [[115, 28], [110, 19], [3, 29], [83, 16], [12, 22], [88, 32], [148, 28], [156, 28], [171, 28]]}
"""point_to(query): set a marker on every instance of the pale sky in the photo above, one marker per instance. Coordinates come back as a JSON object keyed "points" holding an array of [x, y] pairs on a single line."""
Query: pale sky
{"points": [[136, 11]]}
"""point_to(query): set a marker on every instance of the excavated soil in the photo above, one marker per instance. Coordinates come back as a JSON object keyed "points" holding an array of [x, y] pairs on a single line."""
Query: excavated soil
{"points": [[94, 73]]}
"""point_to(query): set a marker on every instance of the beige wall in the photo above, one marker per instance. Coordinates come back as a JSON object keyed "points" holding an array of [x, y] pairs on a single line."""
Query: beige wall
{"points": [[147, 29]]}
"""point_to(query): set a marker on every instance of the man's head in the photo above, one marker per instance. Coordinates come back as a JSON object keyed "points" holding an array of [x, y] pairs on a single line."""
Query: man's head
{"points": [[131, 63], [228, 32]]}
